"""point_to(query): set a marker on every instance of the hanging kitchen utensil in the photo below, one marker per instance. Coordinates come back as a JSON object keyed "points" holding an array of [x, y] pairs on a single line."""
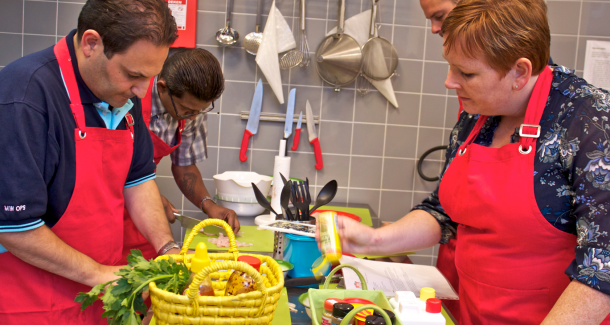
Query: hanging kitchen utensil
{"points": [[253, 119], [363, 85], [297, 133], [298, 57], [313, 136], [380, 58], [253, 40], [289, 116], [227, 35], [304, 45], [339, 57]]}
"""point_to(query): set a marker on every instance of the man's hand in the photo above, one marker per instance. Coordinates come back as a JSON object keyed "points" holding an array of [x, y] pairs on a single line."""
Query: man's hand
{"points": [[169, 209], [217, 212]]}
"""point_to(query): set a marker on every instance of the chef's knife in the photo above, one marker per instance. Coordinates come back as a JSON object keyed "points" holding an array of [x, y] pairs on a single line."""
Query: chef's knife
{"points": [[297, 134], [186, 222], [313, 136], [289, 114], [253, 118]]}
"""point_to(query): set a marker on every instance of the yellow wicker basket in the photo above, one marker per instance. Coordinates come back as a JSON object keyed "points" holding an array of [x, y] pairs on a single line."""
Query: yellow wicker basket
{"points": [[256, 307]]}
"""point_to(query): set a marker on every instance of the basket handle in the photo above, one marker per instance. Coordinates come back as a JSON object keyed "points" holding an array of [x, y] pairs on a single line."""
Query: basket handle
{"points": [[205, 223], [193, 289], [330, 275], [348, 318]]}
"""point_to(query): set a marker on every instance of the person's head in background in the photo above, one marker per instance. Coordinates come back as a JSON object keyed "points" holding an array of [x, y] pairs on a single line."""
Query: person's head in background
{"points": [[496, 49], [121, 44], [191, 80], [437, 11]]}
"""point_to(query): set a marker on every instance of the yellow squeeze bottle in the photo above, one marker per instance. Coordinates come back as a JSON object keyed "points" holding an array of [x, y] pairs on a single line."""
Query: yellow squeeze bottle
{"points": [[329, 236], [198, 262]]}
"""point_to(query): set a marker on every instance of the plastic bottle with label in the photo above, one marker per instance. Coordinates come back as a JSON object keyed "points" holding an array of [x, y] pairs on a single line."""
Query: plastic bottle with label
{"points": [[339, 311], [413, 311], [327, 316], [240, 282], [329, 236], [198, 262]]}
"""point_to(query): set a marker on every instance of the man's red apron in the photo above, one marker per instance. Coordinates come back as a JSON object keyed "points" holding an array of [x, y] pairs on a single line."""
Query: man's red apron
{"points": [[91, 224], [133, 239], [510, 259]]}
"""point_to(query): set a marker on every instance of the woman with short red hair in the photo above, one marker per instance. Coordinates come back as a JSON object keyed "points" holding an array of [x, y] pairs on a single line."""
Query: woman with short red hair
{"points": [[526, 183]]}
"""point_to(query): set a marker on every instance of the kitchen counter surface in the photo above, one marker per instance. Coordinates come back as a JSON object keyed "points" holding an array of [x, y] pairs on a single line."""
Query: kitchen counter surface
{"points": [[300, 317]]}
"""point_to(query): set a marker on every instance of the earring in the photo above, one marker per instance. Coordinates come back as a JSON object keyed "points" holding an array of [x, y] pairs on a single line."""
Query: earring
{"points": [[516, 87]]}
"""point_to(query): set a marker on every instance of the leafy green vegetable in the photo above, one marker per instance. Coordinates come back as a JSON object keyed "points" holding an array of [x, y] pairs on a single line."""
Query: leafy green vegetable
{"points": [[123, 298]]}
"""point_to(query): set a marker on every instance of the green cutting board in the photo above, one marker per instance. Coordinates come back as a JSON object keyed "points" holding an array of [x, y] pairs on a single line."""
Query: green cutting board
{"points": [[281, 316], [262, 239], [282, 312], [363, 213]]}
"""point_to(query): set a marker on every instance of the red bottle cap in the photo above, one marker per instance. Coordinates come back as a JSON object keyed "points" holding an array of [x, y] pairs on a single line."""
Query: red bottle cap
{"points": [[253, 261], [433, 306], [330, 302]]}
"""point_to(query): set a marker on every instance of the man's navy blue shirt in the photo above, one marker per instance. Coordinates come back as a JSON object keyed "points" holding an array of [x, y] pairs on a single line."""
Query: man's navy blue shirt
{"points": [[38, 155]]}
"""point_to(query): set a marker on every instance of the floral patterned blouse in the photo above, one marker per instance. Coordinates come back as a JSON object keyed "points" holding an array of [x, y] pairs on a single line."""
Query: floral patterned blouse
{"points": [[571, 171]]}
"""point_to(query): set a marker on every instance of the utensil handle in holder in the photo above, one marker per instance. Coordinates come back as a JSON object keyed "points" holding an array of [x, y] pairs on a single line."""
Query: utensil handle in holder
{"points": [[341, 22], [259, 15], [348, 318], [193, 290], [373, 14], [229, 12], [302, 14], [205, 223], [330, 275]]}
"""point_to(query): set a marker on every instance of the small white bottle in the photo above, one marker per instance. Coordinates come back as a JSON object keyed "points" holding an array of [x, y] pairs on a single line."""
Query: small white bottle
{"points": [[413, 311]]}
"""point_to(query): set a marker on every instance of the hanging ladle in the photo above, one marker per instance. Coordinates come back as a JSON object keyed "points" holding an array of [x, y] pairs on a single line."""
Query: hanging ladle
{"points": [[227, 35]]}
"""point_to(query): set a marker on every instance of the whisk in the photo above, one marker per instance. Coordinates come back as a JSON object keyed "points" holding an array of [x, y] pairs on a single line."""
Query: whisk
{"points": [[298, 57]]}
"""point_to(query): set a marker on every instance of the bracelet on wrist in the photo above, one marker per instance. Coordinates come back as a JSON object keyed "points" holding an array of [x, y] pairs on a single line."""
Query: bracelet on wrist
{"points": [[165, 248], [205, 198]]}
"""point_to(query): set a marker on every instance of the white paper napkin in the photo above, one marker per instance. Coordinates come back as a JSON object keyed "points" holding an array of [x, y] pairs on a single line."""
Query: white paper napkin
{"points": [[285, 39], [357, 27], [267, 58]]}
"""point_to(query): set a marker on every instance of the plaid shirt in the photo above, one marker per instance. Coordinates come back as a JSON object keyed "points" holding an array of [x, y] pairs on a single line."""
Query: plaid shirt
{"points": [[194, 146]]}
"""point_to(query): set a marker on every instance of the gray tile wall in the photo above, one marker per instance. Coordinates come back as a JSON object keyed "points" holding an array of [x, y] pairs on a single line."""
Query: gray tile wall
{"points": [[369, 146]]}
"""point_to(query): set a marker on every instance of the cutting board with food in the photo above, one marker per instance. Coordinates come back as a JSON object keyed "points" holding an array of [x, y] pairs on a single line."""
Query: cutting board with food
{"points": [[257, 240]]}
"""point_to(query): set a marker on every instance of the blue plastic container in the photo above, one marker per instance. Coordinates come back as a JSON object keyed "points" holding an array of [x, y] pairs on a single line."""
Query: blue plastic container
{"points": [[301, 251]]}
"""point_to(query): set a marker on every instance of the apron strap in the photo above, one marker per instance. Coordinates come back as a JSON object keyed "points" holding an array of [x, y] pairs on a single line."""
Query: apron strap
{"points": [[147, 102], [529, 131], [67, 72], [473, 134]]}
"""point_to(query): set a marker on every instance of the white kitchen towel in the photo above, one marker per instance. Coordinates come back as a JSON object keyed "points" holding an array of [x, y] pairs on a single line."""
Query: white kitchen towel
{"points": [[357, 27], [267, 58], [285, 39]]}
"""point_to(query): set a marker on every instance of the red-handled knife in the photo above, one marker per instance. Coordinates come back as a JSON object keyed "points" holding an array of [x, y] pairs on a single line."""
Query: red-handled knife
{"points": [[297, 134], [313, 136], [253, 118]]}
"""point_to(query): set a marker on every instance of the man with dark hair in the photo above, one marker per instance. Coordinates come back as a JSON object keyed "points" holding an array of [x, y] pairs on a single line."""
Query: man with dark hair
{"points": [[437, 11], [175, 109], [78, 153]]}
